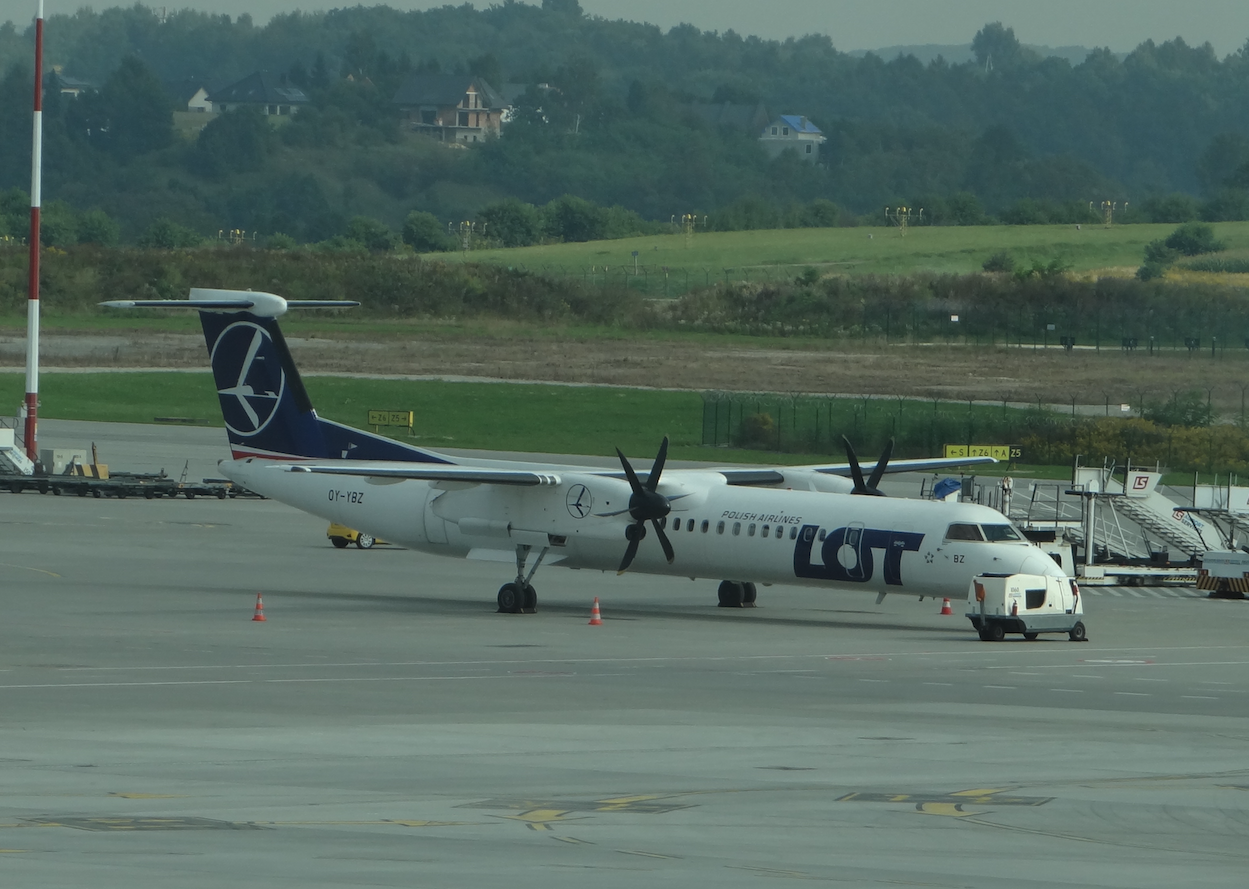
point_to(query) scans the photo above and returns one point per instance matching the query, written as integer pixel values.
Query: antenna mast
(30, 410)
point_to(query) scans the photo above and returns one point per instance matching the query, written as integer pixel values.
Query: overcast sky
(852, 24)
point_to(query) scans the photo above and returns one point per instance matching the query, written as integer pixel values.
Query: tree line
(1011, 137)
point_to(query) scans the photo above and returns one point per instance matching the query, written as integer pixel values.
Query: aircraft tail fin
(266, 408)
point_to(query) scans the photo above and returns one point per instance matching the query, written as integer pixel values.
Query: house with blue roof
(792, 131)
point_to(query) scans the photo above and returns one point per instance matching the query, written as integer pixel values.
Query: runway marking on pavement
(149, 795)
(383, 823)
(649, 854)
(573, 841)
(1002, 687)
(539, 814)
(1074, 691)
(28, 568)
(773, 872)
(127, 823)
(981, 796)
(949, 810)
(1200, 697)
(1135, 694)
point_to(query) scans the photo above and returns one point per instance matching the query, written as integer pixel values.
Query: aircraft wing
(468, 474)
(762, 476)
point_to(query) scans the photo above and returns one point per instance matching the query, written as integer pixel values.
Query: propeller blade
(855, 472)
(652, 480)
(629, 473)
(879, 471)
(664, 542)
(630, 552)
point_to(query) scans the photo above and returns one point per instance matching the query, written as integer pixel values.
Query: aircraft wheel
(365, 541)
(750, 593)
(511, 599)
(995, 633)
(530, 599)
(340, 542)
(1031, 637)
(730, 594)
(1078, 633)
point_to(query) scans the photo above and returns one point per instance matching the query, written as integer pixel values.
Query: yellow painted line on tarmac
(28, 568)
(986, 791)
(949, 810)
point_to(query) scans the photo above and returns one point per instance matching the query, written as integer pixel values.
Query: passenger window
(963, 532)
(720, 527)
(705, 525)
(807, 534)
(737, 528)
(823, 534)
(689, 526)
(793, 532)
(1034, 598)
(766, 531)
(750, 532)
(995, 533)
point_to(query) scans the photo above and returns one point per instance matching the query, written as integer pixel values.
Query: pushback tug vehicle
(1029, 604)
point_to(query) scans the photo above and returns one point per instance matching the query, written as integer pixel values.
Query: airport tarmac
(383, 727)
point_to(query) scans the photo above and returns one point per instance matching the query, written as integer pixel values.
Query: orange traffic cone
(945, 607)
(596, 619)
(260, 609)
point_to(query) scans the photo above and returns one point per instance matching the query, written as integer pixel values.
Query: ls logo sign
(846, 554)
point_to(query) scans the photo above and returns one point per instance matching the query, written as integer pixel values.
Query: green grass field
(490, 416)
(758, 254)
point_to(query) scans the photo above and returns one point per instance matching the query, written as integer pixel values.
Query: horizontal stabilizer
(258, 303)
(436, 473)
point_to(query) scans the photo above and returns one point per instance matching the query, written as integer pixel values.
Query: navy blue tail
(266, 408)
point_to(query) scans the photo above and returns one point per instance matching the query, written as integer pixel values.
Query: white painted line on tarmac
(1200, 697)
(1002, 687)
(938, 683)
(1135, 694)
(1074, 691)
(873, 680)
(1115, 593)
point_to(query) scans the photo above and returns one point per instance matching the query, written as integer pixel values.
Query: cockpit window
(963, 532)
(1000, 532)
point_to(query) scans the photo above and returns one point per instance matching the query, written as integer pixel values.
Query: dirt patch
(1052, 376)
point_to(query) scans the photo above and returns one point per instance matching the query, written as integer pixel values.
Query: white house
(793, 131)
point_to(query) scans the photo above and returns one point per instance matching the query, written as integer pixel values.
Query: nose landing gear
(519, 596)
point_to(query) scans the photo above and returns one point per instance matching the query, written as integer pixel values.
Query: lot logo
(1140, 482)
(847, 554)
(249, 375)
(579, 501)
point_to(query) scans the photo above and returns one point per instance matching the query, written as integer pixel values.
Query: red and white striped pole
(30, 426)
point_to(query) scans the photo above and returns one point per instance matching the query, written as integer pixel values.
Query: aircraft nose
(1040, 563)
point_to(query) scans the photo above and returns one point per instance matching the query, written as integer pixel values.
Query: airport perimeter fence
(1039, 435)
(814, 424)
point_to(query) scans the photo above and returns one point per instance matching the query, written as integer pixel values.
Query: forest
(1010, 137)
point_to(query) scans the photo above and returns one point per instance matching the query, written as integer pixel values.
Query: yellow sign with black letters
(1005, 453)
(391, 418)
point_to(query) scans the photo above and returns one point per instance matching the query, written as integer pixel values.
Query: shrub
(1192, 239)
(279, 241)
(512, 223)
(999, 262)
(374, 235)
(97, 227)
(164, 234)
(425, 234)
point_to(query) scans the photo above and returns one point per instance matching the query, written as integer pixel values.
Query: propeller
(870, 486)
(646, 505)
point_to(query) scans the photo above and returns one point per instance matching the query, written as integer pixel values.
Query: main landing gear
(737, 594)
(519, 596)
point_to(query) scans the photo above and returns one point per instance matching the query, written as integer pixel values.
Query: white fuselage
(767, 535)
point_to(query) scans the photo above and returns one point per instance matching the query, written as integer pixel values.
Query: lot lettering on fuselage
(846, 553)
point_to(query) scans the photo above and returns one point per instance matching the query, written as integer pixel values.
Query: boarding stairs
(1057, 507)
(13, 460)
(1138, 498)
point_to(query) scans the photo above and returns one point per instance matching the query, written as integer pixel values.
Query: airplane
(743, 526)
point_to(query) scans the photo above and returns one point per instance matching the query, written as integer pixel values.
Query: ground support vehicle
(342, 537)
(1029, 604)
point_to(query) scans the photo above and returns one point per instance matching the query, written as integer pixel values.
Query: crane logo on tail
(250, 379)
